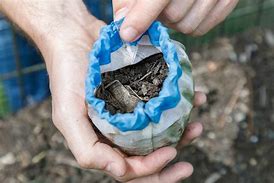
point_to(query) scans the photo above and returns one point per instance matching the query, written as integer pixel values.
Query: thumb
(103, 157)
(139, 16)
(82, 140)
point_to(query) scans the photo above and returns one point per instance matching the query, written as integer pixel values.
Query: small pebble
(8, 159)
(200, 144)
(244, 93)
(243, 58)
(212, 66)
(239, 117)
(269, 38)
(211, 135)
(213, 178)
(254, 139)
(253, 162)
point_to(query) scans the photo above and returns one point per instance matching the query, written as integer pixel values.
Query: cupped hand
(67, 66)
(194, 17)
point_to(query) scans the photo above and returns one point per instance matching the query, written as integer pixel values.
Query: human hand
(180, 170)
(194, 17)
(89, 148)
(69, 63)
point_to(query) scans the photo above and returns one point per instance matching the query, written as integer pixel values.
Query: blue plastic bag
(158, 114)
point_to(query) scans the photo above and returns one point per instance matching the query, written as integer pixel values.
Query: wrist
(51, 23)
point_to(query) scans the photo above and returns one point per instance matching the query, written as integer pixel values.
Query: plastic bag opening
(101, 58)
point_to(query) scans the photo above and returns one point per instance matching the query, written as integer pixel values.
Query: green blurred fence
(249, 13)
(4, 108)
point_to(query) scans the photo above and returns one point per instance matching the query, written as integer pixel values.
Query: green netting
(248, 14)
(4, 109)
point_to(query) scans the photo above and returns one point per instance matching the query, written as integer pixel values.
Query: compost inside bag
(151, 118)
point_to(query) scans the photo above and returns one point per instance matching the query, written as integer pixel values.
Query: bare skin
(195, 17)
(64, 32)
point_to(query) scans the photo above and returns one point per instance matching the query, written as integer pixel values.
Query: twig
(142, 78)
(133, 92)
(232, 101)
(250, 114)
(147, 74)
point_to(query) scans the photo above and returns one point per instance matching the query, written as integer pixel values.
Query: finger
(119, 4)
(199, 99)
(192, 131)
(195, 16)
(84, 144)
(121, 8)
(176, 10)
(217, 15)
(150, 164)
(175, 173)
(140, 17)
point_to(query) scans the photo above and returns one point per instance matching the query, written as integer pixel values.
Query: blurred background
(233, 65)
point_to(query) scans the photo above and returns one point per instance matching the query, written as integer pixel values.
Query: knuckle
(229, 3)
(165, 1)
(57, 115)
(198, 33)
(84, 161)
(172, 15)
(187, 28)
(216, 18)
(56, 118)
(124, 179)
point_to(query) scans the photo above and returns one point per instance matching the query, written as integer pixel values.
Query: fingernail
(167, 162)
(171, 158)
(113, 170)
(121, 13)
(129, 34)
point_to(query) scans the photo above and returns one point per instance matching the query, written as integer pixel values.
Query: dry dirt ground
(237, 146)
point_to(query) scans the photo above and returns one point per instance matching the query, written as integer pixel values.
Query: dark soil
(242, 151)
(124, 88)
